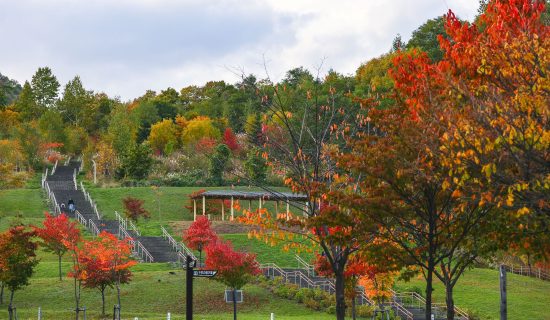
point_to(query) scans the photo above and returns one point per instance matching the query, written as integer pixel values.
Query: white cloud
(125, 47)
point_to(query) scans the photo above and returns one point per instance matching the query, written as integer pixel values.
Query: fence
(179, 247)
(538, 273)
(415, 300)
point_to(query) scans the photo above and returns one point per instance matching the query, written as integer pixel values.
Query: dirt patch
(220, 227)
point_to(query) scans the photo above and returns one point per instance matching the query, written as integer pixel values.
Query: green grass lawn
(478, 290)
(155, 290)
(21, 206)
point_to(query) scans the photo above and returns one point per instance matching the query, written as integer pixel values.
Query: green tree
(425, 38)
(253, 129)
(256, 166)
(75, 103)
(26, 104)
(52, 127)
(45, 87)
(137, 163)
(218, 163)
(122, 130)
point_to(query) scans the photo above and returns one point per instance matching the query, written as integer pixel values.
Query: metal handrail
(177, 246)
(145, 252)
(81, 218)
(68, 160)
(93, 227)
(308, 267)
(121, 220)
(74, 180)
(133, 226)
(54, 167)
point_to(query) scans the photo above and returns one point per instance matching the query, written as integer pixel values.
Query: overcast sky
(124, 47)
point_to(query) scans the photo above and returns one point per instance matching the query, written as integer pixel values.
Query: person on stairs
(72, 207)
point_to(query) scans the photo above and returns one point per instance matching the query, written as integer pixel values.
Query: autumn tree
(312, 118)
(133, 209)
(163, 137)
(199, 235)
(56, 232)
(230, 140)
(17, 260)
(105, 262)
(218, 164)
(496, 75)
(235, 269)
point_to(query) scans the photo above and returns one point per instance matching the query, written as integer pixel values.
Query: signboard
(238, 296)
(204, 273)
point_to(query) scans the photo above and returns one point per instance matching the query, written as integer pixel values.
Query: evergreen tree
(253, 128)
(218, 162)
(256, 166)
(137, 163)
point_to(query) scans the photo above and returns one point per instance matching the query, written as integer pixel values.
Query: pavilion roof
(251, 195)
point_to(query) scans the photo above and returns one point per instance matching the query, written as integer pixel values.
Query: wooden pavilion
(260, 196)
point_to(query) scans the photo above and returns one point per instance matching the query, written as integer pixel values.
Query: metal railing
(125, 222)
(415, 300)
(44, 177)
(93, 227)
(310, 269)
(138, 248)
(179, 247)
(54, 168)
(53, 200)
(74, 180)
(533, 272)
(81, 218)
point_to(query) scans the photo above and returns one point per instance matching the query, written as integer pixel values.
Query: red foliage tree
(55, 233)
(230, 140)
(105, 262)
(17, 259)
(235, 269)
(133, 209)
(199, 235)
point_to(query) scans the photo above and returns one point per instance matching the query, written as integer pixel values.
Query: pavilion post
(232, 210)
(287, 210)
(249, 205)
(223, 210)
(194, 209)
(203, 205)
(277, 207)
(260, 202)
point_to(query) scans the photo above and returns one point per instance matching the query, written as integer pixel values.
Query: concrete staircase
(61, 187)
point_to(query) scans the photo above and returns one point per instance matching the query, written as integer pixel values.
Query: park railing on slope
(415, 300)
(125, 222)
(179, 247)
(74, 180)
(44, 177)
(310, 269)
(51, 197)
(538, 273)
(137, 247)
(81, 218)
(54, 168)
(93, 227)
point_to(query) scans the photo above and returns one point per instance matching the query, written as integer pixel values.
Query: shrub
(303, 294)
(281, 291)
(312, 304)
(292, 290)
(331, 310)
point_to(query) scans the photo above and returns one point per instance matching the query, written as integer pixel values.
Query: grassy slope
(478, 290)
(155, 290)
(24, 205)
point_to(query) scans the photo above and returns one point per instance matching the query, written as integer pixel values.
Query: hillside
(9, 90)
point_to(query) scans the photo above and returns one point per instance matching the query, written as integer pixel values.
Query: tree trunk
(340, 296)
(10, 307)
(60, 278)
(76, 299)
(449, 301)
(2, 293)
(103, 301)
(429, 289)
(353, 315)
(118, 295)
(234, 304)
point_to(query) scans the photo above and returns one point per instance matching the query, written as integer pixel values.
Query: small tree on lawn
(17, 259)
(133, 209)
(55, 231)
(235, 269)
(199, 235)
(105, 262)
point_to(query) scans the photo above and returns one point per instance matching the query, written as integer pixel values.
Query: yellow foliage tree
(163, 136)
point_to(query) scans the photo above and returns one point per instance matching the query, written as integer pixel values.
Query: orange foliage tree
(17, 260)
(199, 235)
(56, 231)
(105, 262)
